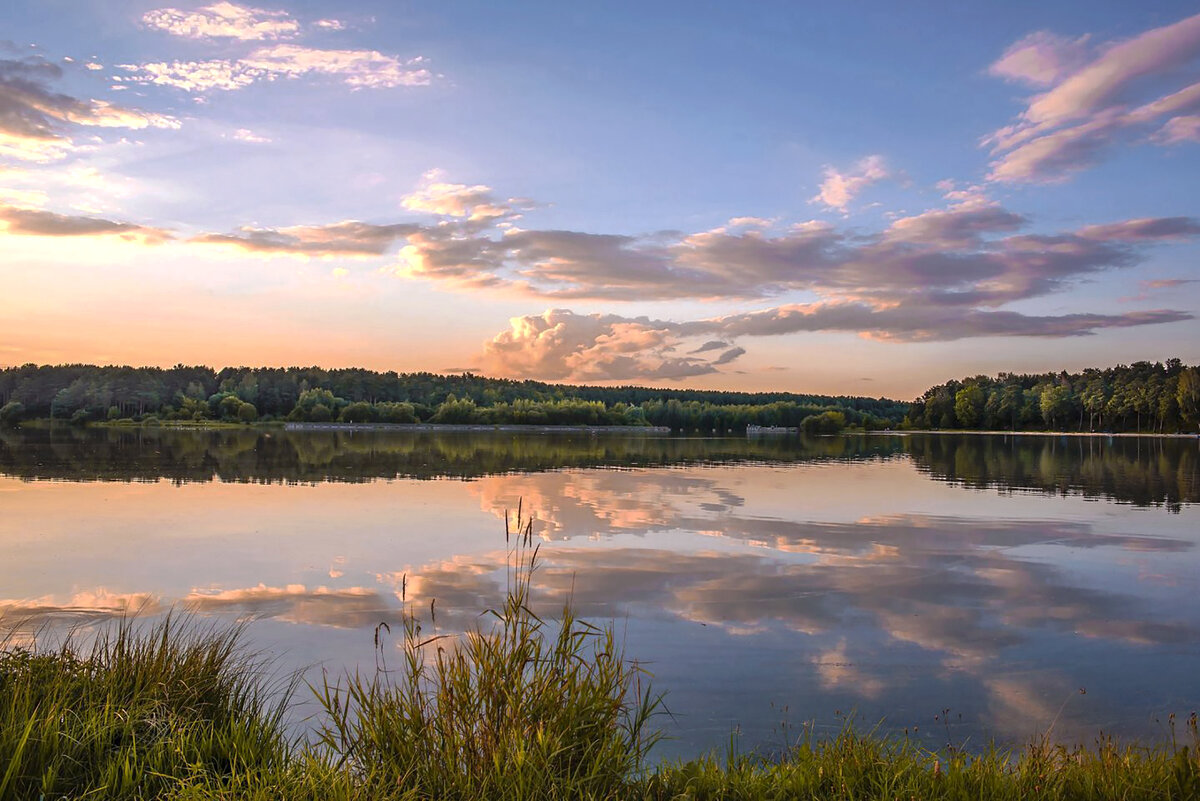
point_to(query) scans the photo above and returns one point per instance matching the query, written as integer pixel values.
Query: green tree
(823, 423)
(968, 406)
(1093, 398)
(358, 412)
(1187, 394)
(453, 410)
(11, 412)
(1055, 404)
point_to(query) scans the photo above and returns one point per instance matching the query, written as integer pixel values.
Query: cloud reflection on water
(890, 606)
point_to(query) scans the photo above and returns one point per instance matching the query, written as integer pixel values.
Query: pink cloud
(1091, 104)
(1180, 129)
(1042, 58)
(839, 188)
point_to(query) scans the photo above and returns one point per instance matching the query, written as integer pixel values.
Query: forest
(84, 394)
(1143, 397)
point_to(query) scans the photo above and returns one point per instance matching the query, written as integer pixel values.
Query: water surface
(1017, 582)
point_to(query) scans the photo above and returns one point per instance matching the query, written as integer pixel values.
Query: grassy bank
(518, 708)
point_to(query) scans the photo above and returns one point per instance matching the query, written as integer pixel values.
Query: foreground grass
(518, 709)
(135, 713)
(852, 766)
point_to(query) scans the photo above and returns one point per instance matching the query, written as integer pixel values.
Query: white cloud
(357, 68)
(560, 345)
(247, 135)
(223, 20)
(750, 222)
(360, 69)
(438, 196)
(193, 76)
(838, 188)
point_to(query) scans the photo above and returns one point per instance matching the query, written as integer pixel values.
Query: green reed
(135, 713)
(516, 708)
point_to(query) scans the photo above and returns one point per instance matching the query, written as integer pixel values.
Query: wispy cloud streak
(1094, 97)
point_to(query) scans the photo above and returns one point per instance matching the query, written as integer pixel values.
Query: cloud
(247, 135)
(729, 356)
(331, 24)
(562, 345)
(1149, 287)
(23, 198)
(971, 254)
(193, 76)
(875, 571)
(88, 605)
(352, 607)
(350, 238)
(1094, 99)
(712, 344)
(1185, 128)
(838, 188)
(1144, 230)
(34, 119)
(223, 20)
(35, 222)
(1169, 283)
(915, 323)
(1042, 58)
(438, 196)
(358, 69)
(944, 274)
(750, 222)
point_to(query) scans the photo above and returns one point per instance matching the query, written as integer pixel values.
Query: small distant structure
(758, 431)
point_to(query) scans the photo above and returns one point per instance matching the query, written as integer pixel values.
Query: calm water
(761, 580)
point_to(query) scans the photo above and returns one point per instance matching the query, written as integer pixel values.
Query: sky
(863, 199)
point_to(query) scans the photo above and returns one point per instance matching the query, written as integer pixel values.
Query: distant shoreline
(477, 428)
(1104, 434)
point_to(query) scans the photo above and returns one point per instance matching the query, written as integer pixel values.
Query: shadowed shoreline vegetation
(1141, 471)
(1138, 398)
(87, 393)
(1142, 398)
(518, 707)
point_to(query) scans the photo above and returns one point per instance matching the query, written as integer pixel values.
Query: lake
(962, 588)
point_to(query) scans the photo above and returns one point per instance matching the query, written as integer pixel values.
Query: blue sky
(861, 199)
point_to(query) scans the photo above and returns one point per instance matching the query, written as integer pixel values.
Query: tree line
(1142, 397)
(88, 393)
